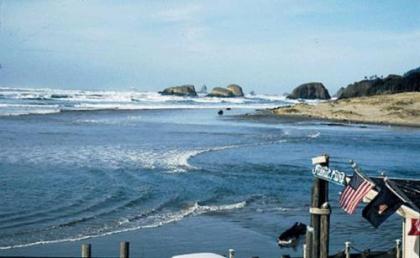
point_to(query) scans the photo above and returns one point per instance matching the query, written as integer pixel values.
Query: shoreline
(401, 109)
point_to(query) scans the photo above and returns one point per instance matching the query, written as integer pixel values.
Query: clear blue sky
(266, 46)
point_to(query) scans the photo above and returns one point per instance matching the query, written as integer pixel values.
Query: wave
(175, 160)
(314, 135)
(78, 100)
(179, 161)
(160, 220)
(113, 157)
(26, 109)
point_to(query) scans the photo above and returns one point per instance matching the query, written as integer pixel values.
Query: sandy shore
(396, 109)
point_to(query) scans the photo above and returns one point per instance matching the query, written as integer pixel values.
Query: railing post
(325, 231)
(398, 248)
(86, 251)
(347, 249)
(231, 253)
(124, 249)
(308, 242)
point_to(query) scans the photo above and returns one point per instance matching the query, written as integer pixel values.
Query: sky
(265, 46)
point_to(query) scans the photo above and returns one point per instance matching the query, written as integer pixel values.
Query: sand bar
(394, 109)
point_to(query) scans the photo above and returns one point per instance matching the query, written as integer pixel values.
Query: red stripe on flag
(364, 189)
(350, 198)
(343, 195)
(415, 227)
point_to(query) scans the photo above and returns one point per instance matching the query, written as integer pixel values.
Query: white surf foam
(314, 135)
(160, 220)
(26, 109)
(176, 160)
(79, 100)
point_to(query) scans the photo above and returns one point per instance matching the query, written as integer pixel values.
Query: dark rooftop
(410, 187)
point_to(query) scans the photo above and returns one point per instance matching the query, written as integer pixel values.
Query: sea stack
(312, 90)
(221, 93)
(232, 90)
(183, 90)
(236, 90)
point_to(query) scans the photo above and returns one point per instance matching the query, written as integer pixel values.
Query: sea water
(94, 165)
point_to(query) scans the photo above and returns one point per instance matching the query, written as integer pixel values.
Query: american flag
(354, 192)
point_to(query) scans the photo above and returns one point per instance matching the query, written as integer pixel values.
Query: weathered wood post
(231, 253)
(319, 197)
(398, 248)
(124, 249)
(86, 251)
(347, 249)
(324, 230)
(307, 250)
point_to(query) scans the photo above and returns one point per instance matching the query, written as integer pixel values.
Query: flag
(354, 192)
(382, 206)
(415, 228)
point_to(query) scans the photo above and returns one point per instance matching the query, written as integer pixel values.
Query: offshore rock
(312, 90)
(184, 90)
(221, 93)
(236, 90)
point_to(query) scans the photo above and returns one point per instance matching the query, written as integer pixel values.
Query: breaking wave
(158, 220)
(46, 101)
(314, 135)
(113, 157)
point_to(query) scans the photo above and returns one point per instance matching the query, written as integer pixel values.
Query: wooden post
(231, 253)
(398, 248)
(124, 249)
(319, 196)
(315, 218)
(325, 231)
(308, 242)
(86, 251)
(347, 249)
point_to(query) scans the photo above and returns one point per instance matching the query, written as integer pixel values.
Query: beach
(392, 109)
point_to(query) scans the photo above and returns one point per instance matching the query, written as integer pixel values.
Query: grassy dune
(396, 109)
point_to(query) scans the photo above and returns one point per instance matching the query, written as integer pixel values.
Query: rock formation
(221, 92)
(339, 92)
(203, 89)
(184, 90)
(232, 90)
(236, 90)
(312, 90)
(391, 84)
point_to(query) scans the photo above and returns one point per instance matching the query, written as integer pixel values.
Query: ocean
(173, 175)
